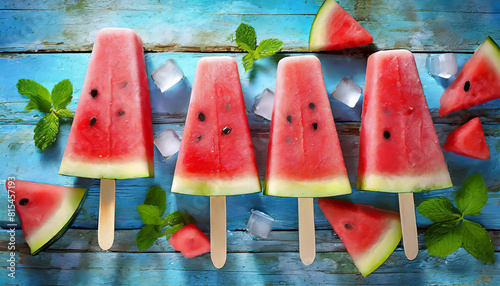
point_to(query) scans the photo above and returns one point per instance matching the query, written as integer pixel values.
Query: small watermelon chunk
(468, 140)
(45, 211)
(369, 234)
(334, 29)
(477, 82)
(190, 241)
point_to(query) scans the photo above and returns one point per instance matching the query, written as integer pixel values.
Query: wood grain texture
(205, 26)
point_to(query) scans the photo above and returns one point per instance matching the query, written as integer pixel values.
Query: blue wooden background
(51, 40)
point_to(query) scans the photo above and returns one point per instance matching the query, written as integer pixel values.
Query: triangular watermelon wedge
(468, 140)
(334, 29)
(477, 82)
(45, 211)
(369, 234)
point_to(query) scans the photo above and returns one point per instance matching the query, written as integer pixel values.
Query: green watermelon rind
(304, 189)
(107, 170)
(214, 187)
(405, 184)
(65, 227)
(492, 51)
(318, 29)
(379, 254)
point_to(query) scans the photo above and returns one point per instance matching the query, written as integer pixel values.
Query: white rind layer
(406, 184)
(308, 189)
(218, 187)
(107, 170)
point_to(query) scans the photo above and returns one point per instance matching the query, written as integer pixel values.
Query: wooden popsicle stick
(106, 227)
(307, 235)
(408, 225)
(218, 243)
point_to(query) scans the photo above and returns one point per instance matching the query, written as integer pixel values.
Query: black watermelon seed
(23, 201)
(226, 130)
(93, 121)
(93, 93)
(312, 106)
(348, 226)
(199, 137)
(315, 126)
(121, 112)
(125, 85)
(228, 106)
(387, 135)
(467, 86)
(289, 118)
(201, 117)
(387, 111)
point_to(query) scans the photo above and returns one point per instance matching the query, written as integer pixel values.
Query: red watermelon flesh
(45, 211)
(112, 133)
(369, 234)
(399, 150)
(216, 155)
(304, 157)
(190, 241)
(334, 29)
(468, 140)
(477, 82)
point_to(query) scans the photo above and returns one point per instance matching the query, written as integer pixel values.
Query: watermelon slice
(477, 82)
(369, 234)
(45, 211)
(468, 140)
(334, 29)
(112, 133)
(304, 157)
(190, 241)
(398, 150)
(216, 156)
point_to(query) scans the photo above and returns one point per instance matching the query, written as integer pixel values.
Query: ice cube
(444, 65)
(263, 105)
(347, 92)
(168, 142)
(260, 224)
(167, 75)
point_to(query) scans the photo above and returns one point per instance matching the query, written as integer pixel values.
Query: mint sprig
(54, 104)
(246, 39)
(155, 227)
(451, 230)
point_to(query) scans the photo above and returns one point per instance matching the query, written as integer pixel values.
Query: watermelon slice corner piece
(334, 29)
(369, 234)
(477, 82)
(190, 241)
(46, 211)
(468, 140)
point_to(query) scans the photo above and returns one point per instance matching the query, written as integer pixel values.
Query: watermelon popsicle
(399, 150)
(216, 156)
(304, 156)
(112, 132)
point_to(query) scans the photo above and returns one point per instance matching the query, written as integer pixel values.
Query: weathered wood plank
(72, 25)
(243, 269)
(48, 69)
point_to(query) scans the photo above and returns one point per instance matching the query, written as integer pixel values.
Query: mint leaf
(248, 61)
(477, 241)
(472, 196)
(178, 217)
(64, 113)
(46, 131)
(439, 209)
(61, 94)
(146, 237)
(39, 96)
(173, 229)
(267, 48)
(443, 238)
(156, 196)
(149, 214)
(246, 38)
